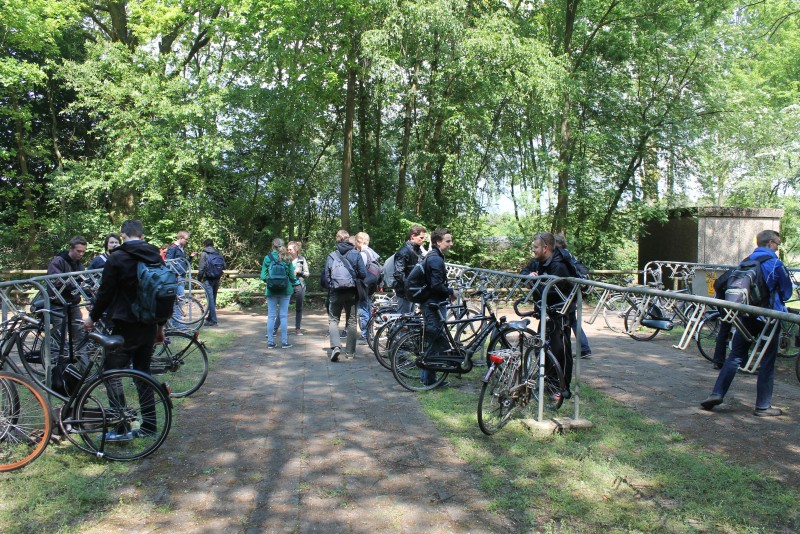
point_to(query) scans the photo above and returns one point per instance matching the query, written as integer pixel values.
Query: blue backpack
(156, 294)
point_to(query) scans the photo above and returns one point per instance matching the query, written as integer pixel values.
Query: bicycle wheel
(379, 345)
(614, 313)
(182, 362)
(789, 343)
(508, 338)
(189, 313)
(554, 382)
(706, 336)
(406, 351)
(376, 320)
(25, 422)
(194, 288)
(30, 353)
(498, 398)
(642, 332)
(122, 415)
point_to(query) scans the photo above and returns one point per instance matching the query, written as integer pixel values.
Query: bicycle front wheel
(122, 415)
(182, 362)
(25, 422)
(789, 343)
(498, 399)
(614, 312)
(189, 313)
(404, 354)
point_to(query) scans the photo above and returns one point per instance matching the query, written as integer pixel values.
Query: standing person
(436, 275)
(209, 273)
(111, 242)
(779, 286)
(586, 350)
(404, 260)
(300, 268)
(551, 261)
(343, 268)
(367, 256)
(116, 295)
(68, 261)
(277, 272)
(177, 251)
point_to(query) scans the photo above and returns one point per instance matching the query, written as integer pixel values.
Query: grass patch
(66, 488)
(626, 474)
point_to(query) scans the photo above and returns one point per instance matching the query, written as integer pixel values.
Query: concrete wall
(726, 235)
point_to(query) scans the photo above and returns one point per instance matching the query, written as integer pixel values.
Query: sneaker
(271, 345)
(113, 436)
(767, 412)
(211, 323)
(298, 332)
(286, 345)
(349, 355)
(711, 401)
(335, 351)
(586, 355)
(343, 334)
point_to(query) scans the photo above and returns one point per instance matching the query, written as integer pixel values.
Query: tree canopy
(244, 120)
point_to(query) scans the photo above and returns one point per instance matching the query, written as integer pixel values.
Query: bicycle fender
(489, 373)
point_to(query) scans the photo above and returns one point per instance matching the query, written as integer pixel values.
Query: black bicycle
(408, 358)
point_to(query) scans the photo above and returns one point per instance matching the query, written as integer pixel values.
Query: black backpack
(746, 284)
(215, 264)
(417, 288)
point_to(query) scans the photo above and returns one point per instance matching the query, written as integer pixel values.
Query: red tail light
(496, 359)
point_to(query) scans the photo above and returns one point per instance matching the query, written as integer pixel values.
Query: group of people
(296, 269)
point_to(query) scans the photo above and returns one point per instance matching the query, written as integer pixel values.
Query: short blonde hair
(362, 238)
(342, 236)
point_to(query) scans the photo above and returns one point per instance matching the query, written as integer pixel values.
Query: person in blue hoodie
(779, 284)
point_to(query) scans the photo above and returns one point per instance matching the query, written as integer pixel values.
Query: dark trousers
(721, 348)
(435, 340)
(212, 288)
(138, 350)
(558, 335)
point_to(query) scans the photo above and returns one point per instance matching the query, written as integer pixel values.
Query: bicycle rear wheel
(181, 361)
(706, 336)
(25, 422)
(642, 332)
(498, 399)
(189, 313)
(122, 415)
(508, 338)
(405, 352)
(554, 382)
(789, 343)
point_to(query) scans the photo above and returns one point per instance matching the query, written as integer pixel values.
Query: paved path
(286, 441)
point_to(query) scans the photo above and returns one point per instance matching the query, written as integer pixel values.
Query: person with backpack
(209, 273)
(277, 273)
(182, 264)
(122, 296)
(343, 269)
(769, 287)
(404, 260)
(373, 266)
(436, 277)
(579, 270)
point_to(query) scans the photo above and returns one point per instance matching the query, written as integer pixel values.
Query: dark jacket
(436, 274)
(347, 250)
(62, 264)
(532, 267)
(556, 265)
(174, 252)
(404, 260)
(119, 284)
(204, 257)
(98, 262)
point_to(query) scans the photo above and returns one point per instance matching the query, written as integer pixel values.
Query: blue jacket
(775, 276)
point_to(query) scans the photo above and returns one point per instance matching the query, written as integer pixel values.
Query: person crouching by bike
(551, 261)
(436, 275)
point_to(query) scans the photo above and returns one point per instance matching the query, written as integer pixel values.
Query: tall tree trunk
(24, 175)
(366, 200)
(376, 157)
(566, 144)
(347, 157)
(409, 107)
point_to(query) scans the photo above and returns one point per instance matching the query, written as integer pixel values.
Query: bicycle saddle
(107, 342)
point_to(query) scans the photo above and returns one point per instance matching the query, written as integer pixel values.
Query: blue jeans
(279, 304)
(740, 348)
(212, 287)
(404, 306)
(298, 296)
(363, 316)
(435, 340)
